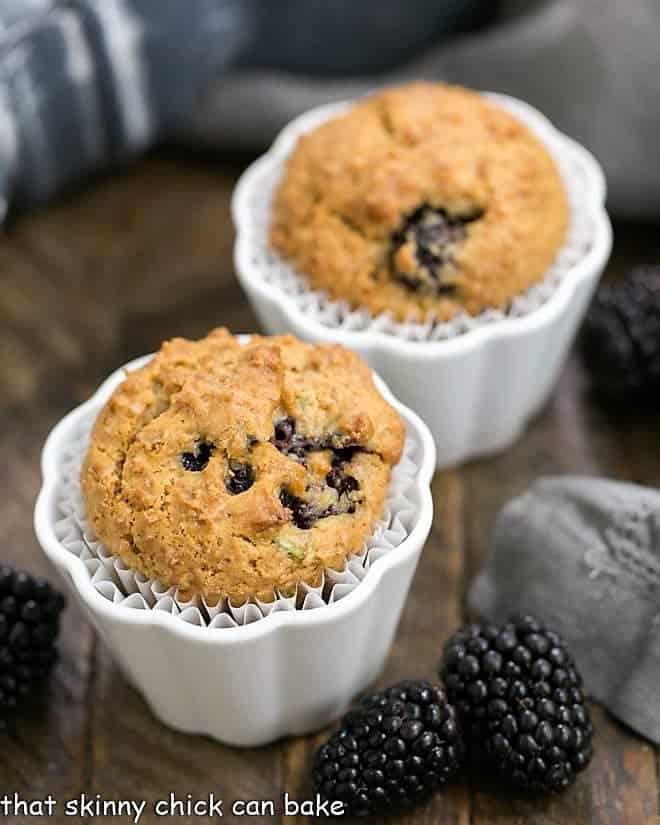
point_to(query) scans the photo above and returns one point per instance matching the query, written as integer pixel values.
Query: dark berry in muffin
(341, 482)
(422, 249)
(197, 460)
(240, 478)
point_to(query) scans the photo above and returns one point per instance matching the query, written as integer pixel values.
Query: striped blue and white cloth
(86, 83)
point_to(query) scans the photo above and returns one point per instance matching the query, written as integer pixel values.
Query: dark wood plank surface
(104, 276)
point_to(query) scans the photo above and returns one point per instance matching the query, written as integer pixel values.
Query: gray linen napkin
(584, 555)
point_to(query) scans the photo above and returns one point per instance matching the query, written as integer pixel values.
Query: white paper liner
(127, 588)
(318, 305)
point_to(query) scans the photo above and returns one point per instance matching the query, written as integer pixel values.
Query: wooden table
(103, 277)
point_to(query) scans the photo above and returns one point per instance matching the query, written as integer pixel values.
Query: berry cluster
(518, 691)
(512, 697)
(620, 339)
(29, 624)
(395, 748)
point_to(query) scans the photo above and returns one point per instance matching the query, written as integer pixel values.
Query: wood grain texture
(104, 276)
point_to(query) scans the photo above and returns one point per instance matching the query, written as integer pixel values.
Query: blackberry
(240, 478)
(341, 482)
(293, 444)
(29, 624)
(432, 234)
(620, 338)
(392, 750)
(303, 514)
(196, 461)
(297, 446)
(519, 697)
(284, 430)
(344, 455)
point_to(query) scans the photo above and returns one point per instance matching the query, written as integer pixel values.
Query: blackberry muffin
(425, 201)
(239, 470)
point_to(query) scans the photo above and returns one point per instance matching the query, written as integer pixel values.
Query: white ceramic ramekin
(478, 389)
(288, 673)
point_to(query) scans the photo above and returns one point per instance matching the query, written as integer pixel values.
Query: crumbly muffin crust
(236, 470)
(424, 201)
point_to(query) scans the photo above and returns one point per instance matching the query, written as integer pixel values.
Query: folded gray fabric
(584, 555)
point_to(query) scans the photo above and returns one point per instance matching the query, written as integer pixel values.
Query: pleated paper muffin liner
(128, 588)
(253, 215)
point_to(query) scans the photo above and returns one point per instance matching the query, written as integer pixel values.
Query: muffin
(423, 201)
(237, 471)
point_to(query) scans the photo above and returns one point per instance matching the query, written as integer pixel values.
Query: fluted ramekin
(288, 673)
(478, 387)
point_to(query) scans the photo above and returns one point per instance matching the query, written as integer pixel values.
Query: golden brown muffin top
(236, 470)
(424, 200)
